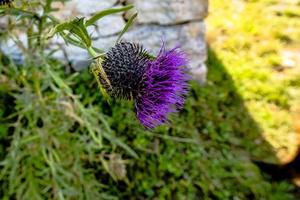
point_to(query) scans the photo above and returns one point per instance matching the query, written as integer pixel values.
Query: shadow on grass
(219, 104)
(258, 149)
(245, 129)
(206, 152)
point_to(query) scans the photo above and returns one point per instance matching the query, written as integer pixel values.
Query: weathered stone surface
(189, 36)
(76, 8)
(176, 22)
(65, 11)
(76, 56)
(170, 11)
(87, 7)
(199, 73)
(110, 25)
(104, 43)
(93, 31)
(107, 26)
(10, 48)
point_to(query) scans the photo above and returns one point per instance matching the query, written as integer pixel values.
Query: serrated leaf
(127, 26)
(104, 13)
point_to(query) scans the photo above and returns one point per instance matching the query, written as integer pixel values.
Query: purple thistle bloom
(163, 87)
(158, 86)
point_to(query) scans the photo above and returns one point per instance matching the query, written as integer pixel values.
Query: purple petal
(164, 87)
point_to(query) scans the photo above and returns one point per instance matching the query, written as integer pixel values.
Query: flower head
(163, 88)
(158, 86)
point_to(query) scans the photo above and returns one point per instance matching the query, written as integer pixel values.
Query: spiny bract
(124, 65)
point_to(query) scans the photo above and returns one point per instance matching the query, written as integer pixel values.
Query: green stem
(92, 52)
(29, 37)
(42, 22)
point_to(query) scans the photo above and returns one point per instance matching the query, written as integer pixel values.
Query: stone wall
(177, 22)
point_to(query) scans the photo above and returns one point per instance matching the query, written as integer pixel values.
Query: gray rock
(88, 7)
(170, 11)
(93, 31)
(104, 43)
(110, 25)
(176, 22)
(189, 36)
(79, 8)
(11, 49)
(181, 22)
(107, 26)
(76, 56)
(200, 73)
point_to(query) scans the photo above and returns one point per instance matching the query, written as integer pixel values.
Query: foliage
(60, 139)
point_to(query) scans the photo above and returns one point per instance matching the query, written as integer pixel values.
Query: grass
(61, 140)
(252, 40)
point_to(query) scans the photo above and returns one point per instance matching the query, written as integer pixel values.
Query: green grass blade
(127, 26)
(72, 41)
(104, 13)
(120, 144)
(76, 27)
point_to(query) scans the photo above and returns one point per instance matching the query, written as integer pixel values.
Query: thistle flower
(163, 88)
(158, 85)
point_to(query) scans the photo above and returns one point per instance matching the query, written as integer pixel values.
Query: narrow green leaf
(79, 28)
(120, 144)
(76, 27)
(71, 40)
(59, 81)
(59, 28)
(127, 26)
(104, 13)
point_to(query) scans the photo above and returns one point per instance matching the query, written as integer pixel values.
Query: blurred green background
(61, 140)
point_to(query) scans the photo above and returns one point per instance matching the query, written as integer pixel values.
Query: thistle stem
(92, 52)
